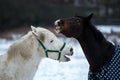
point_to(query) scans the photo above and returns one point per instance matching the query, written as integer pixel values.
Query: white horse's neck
(19, 65)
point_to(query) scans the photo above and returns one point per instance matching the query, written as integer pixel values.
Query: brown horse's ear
(89, 17)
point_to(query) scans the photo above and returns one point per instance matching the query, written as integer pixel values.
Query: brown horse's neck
(96, 48)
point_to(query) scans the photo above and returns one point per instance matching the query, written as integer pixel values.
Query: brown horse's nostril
(59, 23)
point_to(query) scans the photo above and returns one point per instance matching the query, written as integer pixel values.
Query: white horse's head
(50, 45)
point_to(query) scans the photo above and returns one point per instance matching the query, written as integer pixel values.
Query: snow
(76, 69)
(108, 29)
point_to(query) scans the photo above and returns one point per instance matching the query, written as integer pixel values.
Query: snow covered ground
(76, 69)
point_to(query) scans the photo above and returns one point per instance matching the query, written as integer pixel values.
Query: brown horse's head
(72, 27)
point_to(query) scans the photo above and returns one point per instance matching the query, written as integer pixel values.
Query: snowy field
(76, 69)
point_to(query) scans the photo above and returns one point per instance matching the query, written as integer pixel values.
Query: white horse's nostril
(71, 50)
(56, 22)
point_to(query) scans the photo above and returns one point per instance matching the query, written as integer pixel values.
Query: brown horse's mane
(98, 40)
(97, 34)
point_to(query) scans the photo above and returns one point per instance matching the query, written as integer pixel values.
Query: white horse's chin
(67, 57)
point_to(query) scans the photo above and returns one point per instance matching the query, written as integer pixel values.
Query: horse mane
(97, 34)
(20, 48)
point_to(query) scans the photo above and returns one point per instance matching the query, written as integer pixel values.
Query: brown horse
(96, 48)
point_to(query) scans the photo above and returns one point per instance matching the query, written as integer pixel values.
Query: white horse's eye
(51, 41)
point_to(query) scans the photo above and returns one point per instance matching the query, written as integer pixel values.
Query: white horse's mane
(17, 50)
(13, 63)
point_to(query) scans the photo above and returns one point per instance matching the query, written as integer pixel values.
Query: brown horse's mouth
(58, 29)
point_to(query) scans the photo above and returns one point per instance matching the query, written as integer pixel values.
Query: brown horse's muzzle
(59, 25)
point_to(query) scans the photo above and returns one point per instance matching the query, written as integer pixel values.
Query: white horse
(23, 57)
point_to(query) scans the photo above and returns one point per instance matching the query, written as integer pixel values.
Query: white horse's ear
(42, 36)
(33, 28)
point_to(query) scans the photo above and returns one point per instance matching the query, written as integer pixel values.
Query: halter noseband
(47, 50)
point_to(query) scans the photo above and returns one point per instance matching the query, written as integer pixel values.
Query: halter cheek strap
(47, 50)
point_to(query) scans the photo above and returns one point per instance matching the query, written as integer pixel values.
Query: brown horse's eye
(77, 21)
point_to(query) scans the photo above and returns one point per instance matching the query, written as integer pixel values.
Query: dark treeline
(17, 13)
